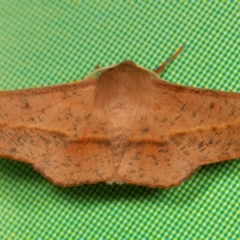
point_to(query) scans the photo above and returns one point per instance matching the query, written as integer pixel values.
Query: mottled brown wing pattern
(156, 164)
(151, 159)
(62, 108)
(204, 125)
(188, 128)
(79, 162)
(55, 129)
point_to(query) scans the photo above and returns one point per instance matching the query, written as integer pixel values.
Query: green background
(49, 42)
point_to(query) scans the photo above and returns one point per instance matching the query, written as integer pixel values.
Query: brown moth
(127, 125)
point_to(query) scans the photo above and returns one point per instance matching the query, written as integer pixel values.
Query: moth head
(125, 80)
(126, 66)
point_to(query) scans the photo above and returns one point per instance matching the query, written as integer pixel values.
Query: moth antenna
(168, 61)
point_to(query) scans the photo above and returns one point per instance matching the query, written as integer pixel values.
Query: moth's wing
(55, 129)
(203, 124)
(186, 128)
(151, 159)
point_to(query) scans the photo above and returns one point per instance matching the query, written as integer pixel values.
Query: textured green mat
(48, 42)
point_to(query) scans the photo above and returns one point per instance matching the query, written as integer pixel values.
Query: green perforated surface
(48, 42)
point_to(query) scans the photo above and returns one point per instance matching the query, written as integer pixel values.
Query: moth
(126, 125)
